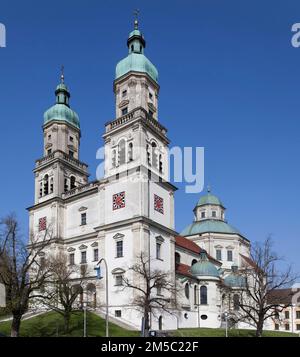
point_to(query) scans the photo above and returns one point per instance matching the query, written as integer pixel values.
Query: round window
(186, 316)
(203, 317)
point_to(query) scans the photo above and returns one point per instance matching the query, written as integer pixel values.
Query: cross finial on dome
(62, 76)
(136, 13)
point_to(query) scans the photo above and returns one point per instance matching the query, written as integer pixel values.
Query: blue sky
(229, 82)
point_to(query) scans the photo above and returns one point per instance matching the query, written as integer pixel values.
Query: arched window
(66, 185)
(132, 48)
(160, 164)
(154, 155)
(114, 158)
(72, 182)
(203, 295)
(194, 261)
(148, 156)
(130, 152)
(236, 302)
(187, 290)
(46, 185)
(177, 258)
(51, 185)
(195, 295)
(122, 153)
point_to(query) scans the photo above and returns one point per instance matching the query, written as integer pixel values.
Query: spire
(136, 22)
(62, 93)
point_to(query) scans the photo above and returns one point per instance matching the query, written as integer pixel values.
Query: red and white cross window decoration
(119, 200)
(42, 224)
(159, 204)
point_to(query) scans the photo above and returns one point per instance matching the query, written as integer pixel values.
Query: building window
(51, 185)
(119, 248)
(194, 261)
(158, 250)
(130, 152)
(49, 137)
(195, 295)
(66, 185)
(203, 295)
(297, 314)
(203, 214)
(72, 182)
(177, 258)
(236, 302)
(124, 111)
(118, 313)
(96, 255)
(287, 314)
(72, 259)
(46, 185)
(122, 152)
(218, 254)
(154, 155)
(49, 151)
(214, 214)
(119, 280)
(151, 113)
(187, 290)
(297, 327)
(148, 156)
(71, 153)
(83, 219)
(276, 327)
(229, 255)
(71, 139)
(42, 224)
(287, 327)
(160, 164)
(150, 95)
(124, 93)
(83, 257)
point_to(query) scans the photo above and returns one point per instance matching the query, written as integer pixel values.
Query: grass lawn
(51, 325)
(214, 332)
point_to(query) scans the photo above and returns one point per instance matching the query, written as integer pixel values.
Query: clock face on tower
(159, 204)
(119, 200)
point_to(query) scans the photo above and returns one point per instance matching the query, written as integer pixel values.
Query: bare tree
(263, 278)
(155, 290)
(22, 271)
(61, 292)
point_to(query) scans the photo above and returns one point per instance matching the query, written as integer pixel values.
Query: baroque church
(131, 209)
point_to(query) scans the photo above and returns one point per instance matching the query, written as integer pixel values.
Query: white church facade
(131, 209)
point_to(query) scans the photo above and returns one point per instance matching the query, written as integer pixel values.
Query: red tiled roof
(281, 296)
(249, 261)
(183, 269)
(193, 247)
(187, 244)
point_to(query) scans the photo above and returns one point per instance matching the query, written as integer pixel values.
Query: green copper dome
(209, 199)
(209, 226)
(61, 111)
(204, 267)
(136, 61)
(234, 280)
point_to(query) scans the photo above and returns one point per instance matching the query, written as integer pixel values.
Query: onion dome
(204, 267)
(61, 111)
(234, 279)
(136, 61)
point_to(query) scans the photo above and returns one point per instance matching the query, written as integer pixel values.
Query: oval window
(203, 317)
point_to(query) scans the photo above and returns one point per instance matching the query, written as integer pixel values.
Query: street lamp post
(84, 318)
(226, 323)
(106, 290)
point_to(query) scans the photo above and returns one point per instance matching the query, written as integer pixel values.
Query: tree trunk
(67, 321)
(146, 320)
(15, 326)
(259, 327)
